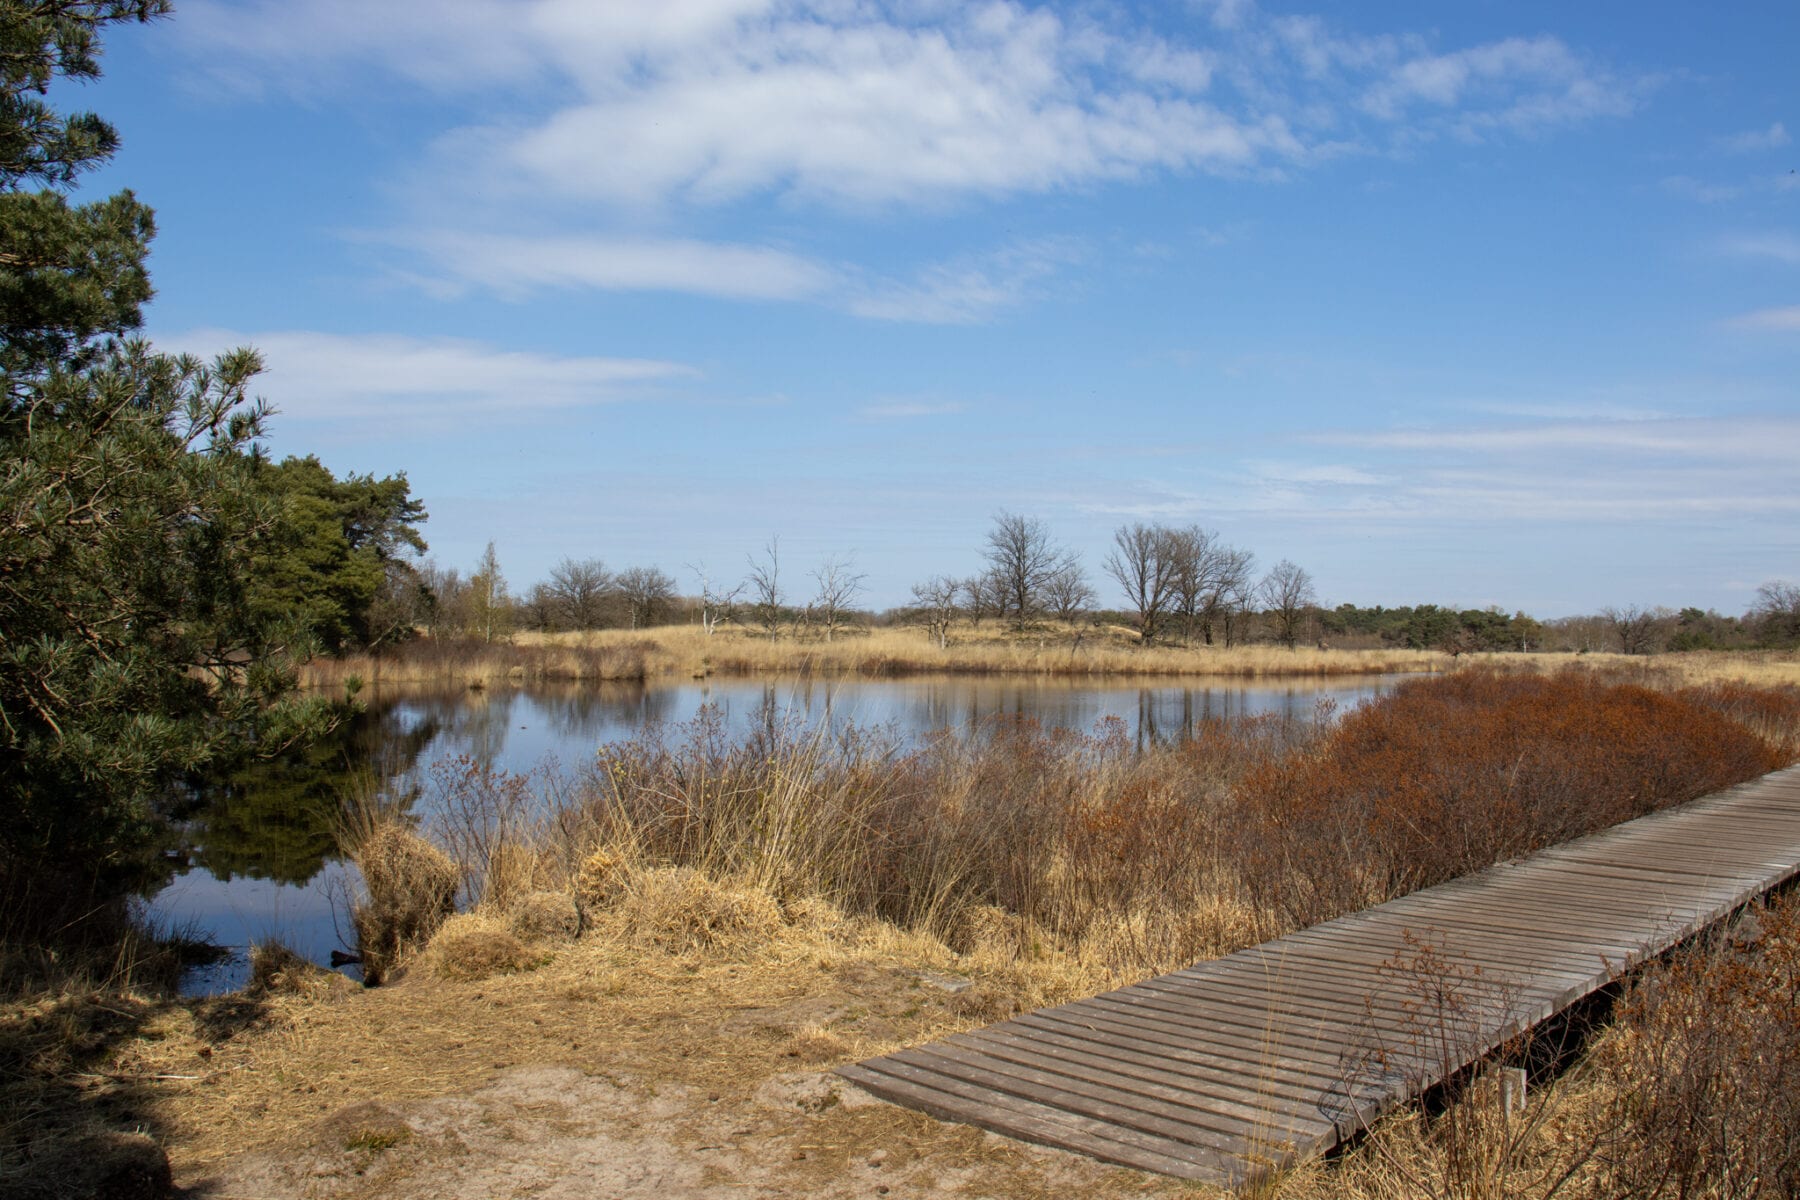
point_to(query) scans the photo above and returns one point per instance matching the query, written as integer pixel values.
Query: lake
(257, 858)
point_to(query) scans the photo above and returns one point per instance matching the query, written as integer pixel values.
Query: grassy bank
(697, 927)
(1065, 652)
(685, 651)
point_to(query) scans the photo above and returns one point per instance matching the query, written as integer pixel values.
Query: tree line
(1181, 584)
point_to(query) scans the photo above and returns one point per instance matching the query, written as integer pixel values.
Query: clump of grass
(410, 889)
(474, 946)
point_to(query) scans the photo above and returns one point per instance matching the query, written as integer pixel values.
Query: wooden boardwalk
(1270, 1056)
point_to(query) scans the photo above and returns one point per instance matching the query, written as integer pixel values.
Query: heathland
(637, 982)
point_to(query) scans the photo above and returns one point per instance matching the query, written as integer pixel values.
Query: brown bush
(1449, 775)
(410, 888)
(1065, 831)
(470, 946)
(545, 916)
(1704, 1066)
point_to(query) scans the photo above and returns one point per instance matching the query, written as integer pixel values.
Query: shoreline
(684, 652)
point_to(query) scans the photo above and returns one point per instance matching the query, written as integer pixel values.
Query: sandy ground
(609, 1071)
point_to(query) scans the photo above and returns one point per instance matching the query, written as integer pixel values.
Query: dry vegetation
(683, 651)
(699, 926)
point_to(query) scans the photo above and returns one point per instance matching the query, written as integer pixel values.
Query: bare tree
(446, 607)
(1143, 561)
(1776, 613)
(840, 583)
(936, 605)
(1067, 593)
(1232, 599)
(716, 602)
(764, 585)
(983, 594)
(1637, 630)
(1287, 594)
(580, 590)
(541, 608)
(648, 594)
(1197, 558)
(1023, 559)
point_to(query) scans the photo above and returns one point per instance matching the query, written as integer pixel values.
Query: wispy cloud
(1744, 438)
(908, 410)
(1756, 140)
(970, 289)
(515, 264)
(618, 129)
(1771, 320)
(326, 376)
(1782, 247)
(1699, 189)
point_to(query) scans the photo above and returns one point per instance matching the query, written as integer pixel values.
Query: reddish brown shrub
(1703, 1066)
(1448, 775)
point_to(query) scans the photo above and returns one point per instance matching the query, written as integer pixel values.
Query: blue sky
(1470, 304)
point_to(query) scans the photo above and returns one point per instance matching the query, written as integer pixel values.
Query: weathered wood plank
(1225, 1070)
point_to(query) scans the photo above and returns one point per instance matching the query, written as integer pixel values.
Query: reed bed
(686, 651)
(1083, 846)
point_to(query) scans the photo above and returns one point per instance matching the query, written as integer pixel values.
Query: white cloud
(1742, 439)
(1782, 247)
(1773, 320)
(1616, 471)
(905, 410)
(1697, 189)
(514, 264)
(452, 46)
(1321, 474)
(609, 128)
(1772, 138)
(971, 289)
(325, 376)
(711, 101)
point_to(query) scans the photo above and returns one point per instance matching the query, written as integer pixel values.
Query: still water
(258, 859)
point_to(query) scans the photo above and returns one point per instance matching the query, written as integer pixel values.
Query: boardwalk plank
(1228, 1069)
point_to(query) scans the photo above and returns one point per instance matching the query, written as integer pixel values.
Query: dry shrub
(601, 880)
(277, 970)
(1703, 1070)
(512, 873)
(1687, 1095)
(1450, 775)
(1062, 831)
(678, 909)
(473, 946)
(545, 916)
(410, 890)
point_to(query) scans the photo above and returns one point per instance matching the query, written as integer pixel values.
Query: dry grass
(1692, 668)
(1687, 1093)
(686, 651)
(706, 918)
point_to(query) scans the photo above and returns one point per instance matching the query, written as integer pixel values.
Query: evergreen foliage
(134, 513)
(335, 559)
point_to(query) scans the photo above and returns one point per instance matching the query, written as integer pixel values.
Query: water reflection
(257, 855)
(518, 729)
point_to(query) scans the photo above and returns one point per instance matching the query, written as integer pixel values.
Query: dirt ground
(609, 1070)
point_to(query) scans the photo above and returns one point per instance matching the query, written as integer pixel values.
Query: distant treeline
(1179, 585)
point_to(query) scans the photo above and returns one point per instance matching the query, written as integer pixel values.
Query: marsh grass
(1082, 845)
(686, 651)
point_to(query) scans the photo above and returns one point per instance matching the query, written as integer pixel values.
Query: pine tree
(131, 510)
